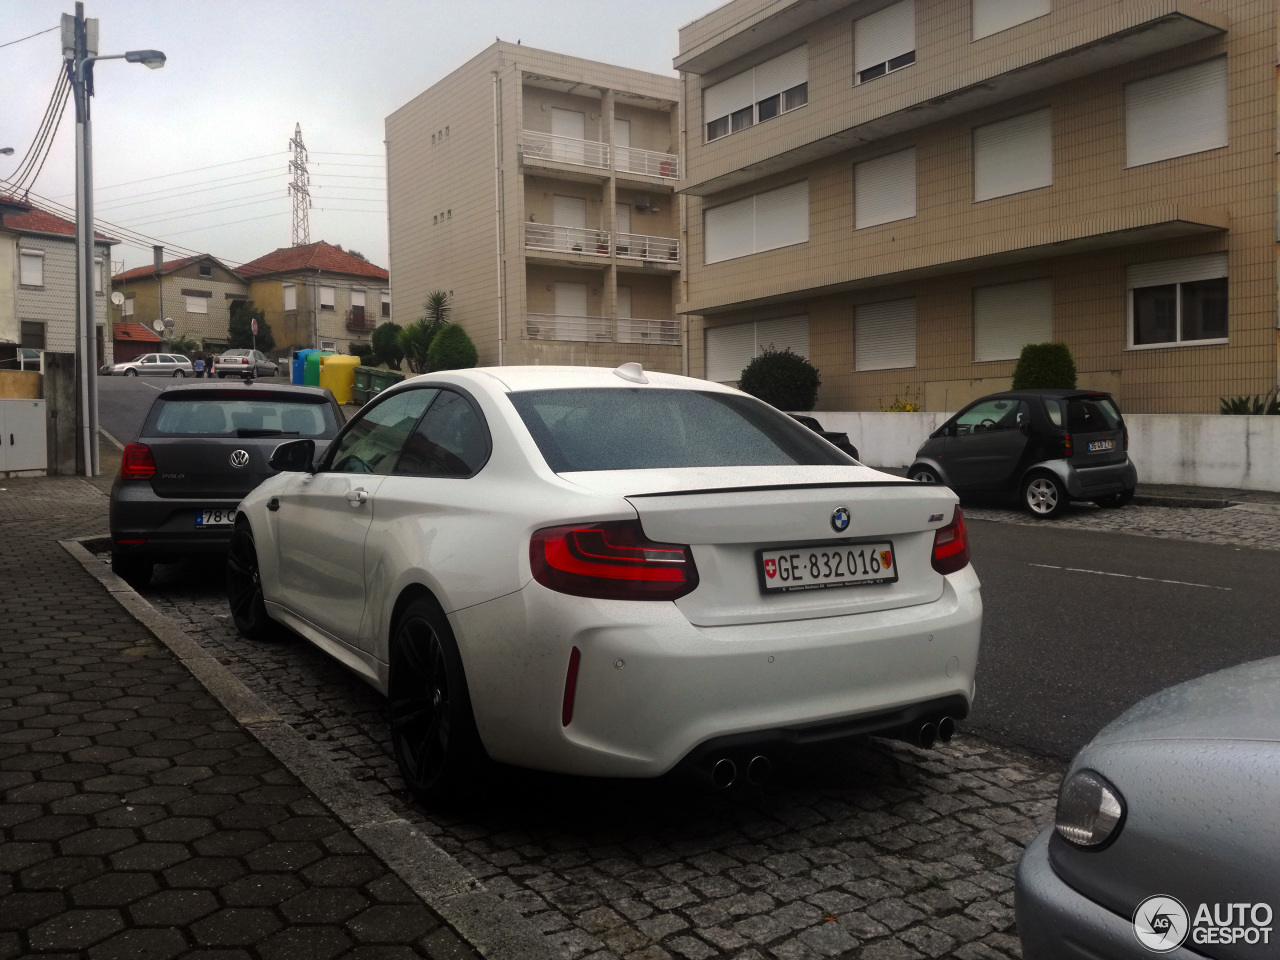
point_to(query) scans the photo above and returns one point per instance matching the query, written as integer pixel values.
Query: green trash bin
(311, 377)
(383, 379)
(361, 391)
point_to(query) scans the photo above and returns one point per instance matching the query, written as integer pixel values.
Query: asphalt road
(1080, 625)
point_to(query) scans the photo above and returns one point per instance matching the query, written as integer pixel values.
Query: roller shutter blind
(569, 211)
(885, 189)
(1187, 270)
(1176, 113)
(31, 267)
(884, 35)
(993, 16)
(728, 96)
(730, 348)
(326, 298)
(624, 303)
(730, 230)
(571, 299)
(1009, 316)
(884, 335)
(781, 73)
(290, 294)
(776, 218)
(1013, 155)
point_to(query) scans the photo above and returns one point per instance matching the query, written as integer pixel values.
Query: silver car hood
(1239, 703)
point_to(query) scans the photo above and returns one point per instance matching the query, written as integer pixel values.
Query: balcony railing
(359, 319)
(634, 246)
(550, 326)
(548, 146)
(558, 239)
(649, 163)
(666, 332)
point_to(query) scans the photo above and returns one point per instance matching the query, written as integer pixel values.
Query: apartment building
(538, 189)
(196, 292)
(910, 191)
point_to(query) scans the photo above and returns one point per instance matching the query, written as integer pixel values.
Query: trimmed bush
(414, 342)
(1045, 366)
(782, 378)
(364, 351)
(451, 349)
(386, 346)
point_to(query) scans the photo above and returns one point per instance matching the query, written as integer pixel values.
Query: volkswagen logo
(240, 458)
(840, 519)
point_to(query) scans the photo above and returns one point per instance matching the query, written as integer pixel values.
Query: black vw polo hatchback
(202, 448)
(1047, 447)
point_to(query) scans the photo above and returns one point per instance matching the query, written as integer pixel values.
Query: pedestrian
(198, 364)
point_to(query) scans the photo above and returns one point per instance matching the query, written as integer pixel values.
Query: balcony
(662, 332)
(646, 163)
(634, 246)
(547, 326)
(360, 321)
(553, 238)
(549, 147)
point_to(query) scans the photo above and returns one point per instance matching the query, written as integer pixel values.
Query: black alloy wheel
(135, 571)
(433, 730)
(244, 587)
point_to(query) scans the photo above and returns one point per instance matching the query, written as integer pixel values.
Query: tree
(362, 350)
(452, 349)
(386, 346)
(183, 344)
(240, 330)
(782, 378)
(414, 342)
(438, 307)
(1045, 366)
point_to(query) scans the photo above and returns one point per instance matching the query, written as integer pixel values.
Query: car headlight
(1090, 810)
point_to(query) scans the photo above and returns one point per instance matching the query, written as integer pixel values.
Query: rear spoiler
(774, 486)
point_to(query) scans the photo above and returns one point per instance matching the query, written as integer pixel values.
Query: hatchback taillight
(136, 463)
(951, 545)
(1126, 438)
(612, 561)
(1068, 448)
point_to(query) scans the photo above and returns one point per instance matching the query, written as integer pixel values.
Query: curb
(1159, 500)
(493, 927)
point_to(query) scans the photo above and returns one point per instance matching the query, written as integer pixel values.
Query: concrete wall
(1208, 451)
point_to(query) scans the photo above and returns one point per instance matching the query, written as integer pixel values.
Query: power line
(33, 158)
(66, 94)
(334, 153)
(178, 173)
(216, 208)
(27, 37)
(365, 166)
(229, 223)
(172, 193)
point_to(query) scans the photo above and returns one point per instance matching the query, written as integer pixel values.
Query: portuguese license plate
(215, 518)
(790, 569)
(1097, 446)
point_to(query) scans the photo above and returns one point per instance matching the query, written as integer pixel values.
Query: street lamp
(80, 48)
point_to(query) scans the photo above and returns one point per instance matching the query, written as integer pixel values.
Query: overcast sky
(241, 74)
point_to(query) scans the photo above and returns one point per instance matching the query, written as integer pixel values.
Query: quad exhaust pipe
(930, 732)
(758, 770)
(725, 772)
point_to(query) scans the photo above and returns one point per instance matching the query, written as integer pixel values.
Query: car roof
(1057, 393)
(516, 379)
(209, 386)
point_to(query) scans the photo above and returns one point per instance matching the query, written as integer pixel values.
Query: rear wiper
(264, 432)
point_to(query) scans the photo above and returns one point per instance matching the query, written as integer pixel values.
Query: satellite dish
(157, 326)
(117, 298)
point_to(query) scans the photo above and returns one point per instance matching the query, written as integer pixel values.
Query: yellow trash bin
(338, 374)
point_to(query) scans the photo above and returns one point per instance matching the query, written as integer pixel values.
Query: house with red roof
(318, 295)
(197, 293)
(38, 281)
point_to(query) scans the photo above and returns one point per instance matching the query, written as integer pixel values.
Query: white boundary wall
(1200, 450)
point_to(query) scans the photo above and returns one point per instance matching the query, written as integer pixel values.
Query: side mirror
(296, 456)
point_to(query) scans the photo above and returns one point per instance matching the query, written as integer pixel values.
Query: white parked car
(611, 573)
(243, 363)
(153, 365)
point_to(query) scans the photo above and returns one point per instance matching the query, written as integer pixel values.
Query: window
(197, 304)
(1176, 113)
(1009, 316)
(732, 347)
(1178, 301)
(328, 345)
(1013, 156)
(991, 415)
(386, 303)
(33, 335)
(766, 221)
(206, 269)
(290, 296)
(884, 41)
(373, 442)
(451, 440)
(97, 275)
(993, 16)
(884, 335)
(326, 298)
(357, 303)
(885, 189)
(126, 308)
(199, 415)
(758, 94)
(32, 266)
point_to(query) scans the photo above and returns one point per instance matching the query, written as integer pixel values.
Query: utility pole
(300, 189)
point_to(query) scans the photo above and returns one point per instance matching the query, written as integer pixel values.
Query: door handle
(357, 497)
(273, 504)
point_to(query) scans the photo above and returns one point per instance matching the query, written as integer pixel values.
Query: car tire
(135, 571)
(244, 587)
(179, 374)
(923, 474)
(433, 730)
(1114, 501)
(131, 372)
(1044, 496)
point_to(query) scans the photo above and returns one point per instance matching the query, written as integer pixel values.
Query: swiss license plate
(830, 565)
(1095, 446)
(215, 518)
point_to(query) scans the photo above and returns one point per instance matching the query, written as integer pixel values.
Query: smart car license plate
(214, 518)
(829, 565)
(1097, 446)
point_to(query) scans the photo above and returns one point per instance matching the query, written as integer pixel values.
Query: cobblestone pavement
(1233, 526)
(139, 819)
(880, 851)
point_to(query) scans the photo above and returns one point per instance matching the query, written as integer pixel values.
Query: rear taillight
(951, 545)
(136, 463)
(612, 561)
(1068, 449)
(1126, 438)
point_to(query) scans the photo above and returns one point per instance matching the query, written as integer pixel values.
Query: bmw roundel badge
(840, 519)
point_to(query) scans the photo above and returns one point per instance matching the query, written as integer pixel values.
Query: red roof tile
(314, 256)
(38, 221)
(134, 332)
(169, 266)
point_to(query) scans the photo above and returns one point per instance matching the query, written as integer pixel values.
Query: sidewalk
(139, 818)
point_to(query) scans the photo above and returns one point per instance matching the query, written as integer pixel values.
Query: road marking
(1128, 576)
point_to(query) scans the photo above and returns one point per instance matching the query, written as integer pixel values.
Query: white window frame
(867, 315)
(789, 99)
(386, 303)
(869, 206)
(991, 17)
(328, 345)
(753, 203)
(331, 293)
(983, 134)
(30, 258)
(197, 304)
(1212, 266)
(285, 290)
(905, 59)
(1173, 113)
(357, 296)
(97, 276)
(126, 308)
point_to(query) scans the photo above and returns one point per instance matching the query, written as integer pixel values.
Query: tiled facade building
(195, 292)
(909, 191)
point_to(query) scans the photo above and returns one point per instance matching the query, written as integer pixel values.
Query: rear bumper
(653, 688)
(1087, 483)
(166, 526)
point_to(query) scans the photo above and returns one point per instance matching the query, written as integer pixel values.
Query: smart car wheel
(135, 571)
(244, 587)
(923, 475)
(433, 731)
(1043, 496)
(1115, 500)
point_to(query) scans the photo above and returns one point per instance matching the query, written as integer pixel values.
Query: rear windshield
(1092, 415)
(622, 429)
(240, 416)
